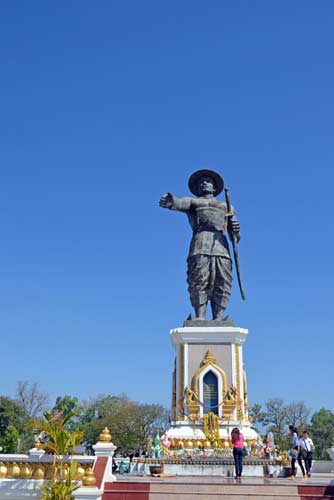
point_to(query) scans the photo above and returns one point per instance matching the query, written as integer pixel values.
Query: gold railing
(40, 470)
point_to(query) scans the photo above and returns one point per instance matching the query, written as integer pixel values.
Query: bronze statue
(209, 273)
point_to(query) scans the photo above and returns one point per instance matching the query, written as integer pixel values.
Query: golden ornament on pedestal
(62, 472)
(39, 472)
(207, 444)
(3, 470)
(180, 444)
(79, 473)
(13, 470)
(48, 471)
(105, 436)
(226, 444)
(189, 444)
(25, 471)
(89, 479)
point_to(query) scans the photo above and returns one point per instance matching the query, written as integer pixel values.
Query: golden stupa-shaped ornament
(3, 470)
(38, 472)
(89, 480)
(25, 471)
(209, 357)
(105, 436)
(13, 470)
(80, 473)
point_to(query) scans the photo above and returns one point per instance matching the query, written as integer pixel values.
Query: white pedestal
(191, 346)
(218, 350)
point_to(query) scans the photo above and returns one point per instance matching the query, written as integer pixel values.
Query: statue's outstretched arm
(170, 201)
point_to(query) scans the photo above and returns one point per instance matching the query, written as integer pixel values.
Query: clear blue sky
(107, 105)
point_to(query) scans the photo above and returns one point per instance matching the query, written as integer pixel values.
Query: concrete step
(193, 490)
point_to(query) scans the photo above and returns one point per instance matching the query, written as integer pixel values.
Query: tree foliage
(12, 414)
(258, 416)
(31, 398)
(322, 432)
(9, 441)
(277, 416)
(129, 422)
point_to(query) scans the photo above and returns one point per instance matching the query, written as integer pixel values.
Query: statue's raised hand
(166, 201)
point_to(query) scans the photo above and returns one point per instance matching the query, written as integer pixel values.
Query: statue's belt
(221, 232)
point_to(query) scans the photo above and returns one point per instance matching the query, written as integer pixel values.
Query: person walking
(238, 446)
(306, 448)
(293, 450)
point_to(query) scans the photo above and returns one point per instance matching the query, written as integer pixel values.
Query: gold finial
(105, 436)
(89, 479)
(38, 444)
(209, 357)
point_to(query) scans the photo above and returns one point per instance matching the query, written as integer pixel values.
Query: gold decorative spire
(209, 357)
(105, 436)
(89, 479)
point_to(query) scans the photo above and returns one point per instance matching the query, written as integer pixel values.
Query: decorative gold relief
(174, 392)
(238, 369)
(192, 404)
(230, 401)
(181, 383)
(209, 360)
(245, 394)
(211, 429)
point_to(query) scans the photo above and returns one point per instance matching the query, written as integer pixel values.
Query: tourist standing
(238, 446)
(294, 450)
(306, 448)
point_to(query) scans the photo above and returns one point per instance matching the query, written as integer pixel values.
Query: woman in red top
(238, 445)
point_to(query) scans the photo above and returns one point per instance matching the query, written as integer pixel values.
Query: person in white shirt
(306, 448)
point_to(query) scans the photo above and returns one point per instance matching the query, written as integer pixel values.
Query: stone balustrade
(21, 475)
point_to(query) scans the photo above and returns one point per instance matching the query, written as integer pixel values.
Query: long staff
(234, 242)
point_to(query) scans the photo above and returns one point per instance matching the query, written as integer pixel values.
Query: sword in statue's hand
(233, 238)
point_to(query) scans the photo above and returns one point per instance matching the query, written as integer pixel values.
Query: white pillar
(103, 449)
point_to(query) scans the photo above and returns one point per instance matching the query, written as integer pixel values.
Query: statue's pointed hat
(193, 181)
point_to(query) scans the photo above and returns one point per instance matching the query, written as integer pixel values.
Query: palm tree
(61, 442)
